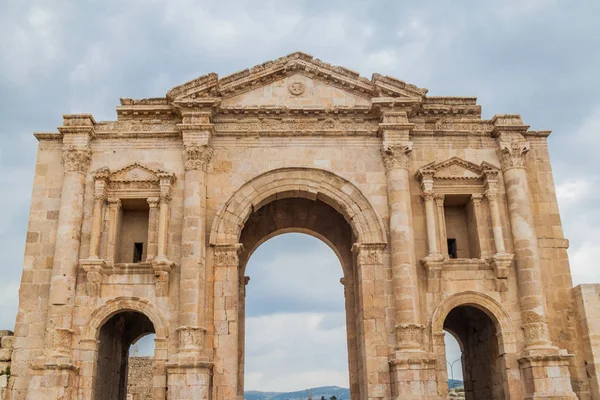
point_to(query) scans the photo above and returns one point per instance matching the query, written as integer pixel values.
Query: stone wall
(139, 378)
(587, 304)
(6, 348)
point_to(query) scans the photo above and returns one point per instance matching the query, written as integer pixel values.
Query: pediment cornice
(456, 168)
(296, 63)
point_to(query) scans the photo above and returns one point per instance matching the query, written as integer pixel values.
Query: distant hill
(455, 383)
(327, 391)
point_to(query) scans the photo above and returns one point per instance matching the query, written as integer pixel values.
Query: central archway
(323, 205)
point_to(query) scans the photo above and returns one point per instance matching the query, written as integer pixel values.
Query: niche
(461, 227)
(133, 243)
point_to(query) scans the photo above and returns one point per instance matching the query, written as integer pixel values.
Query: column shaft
(432, 231)
(96, 227)
(480, 228)
(192, 238)
(531, 291)
(402, 241)
(163, 218)
(66, 254)
(441, 218)
(496, 222)
(152, 228)
(114, 227)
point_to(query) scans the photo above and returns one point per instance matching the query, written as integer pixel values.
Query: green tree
(333, 397)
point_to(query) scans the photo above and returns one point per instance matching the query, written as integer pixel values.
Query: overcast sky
(539, 58)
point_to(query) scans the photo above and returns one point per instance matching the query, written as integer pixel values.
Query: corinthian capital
(197, 157)
(396, 155)
(512, 153)
(76, 160)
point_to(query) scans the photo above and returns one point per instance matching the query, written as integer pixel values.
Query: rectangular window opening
(452, 248)
(138, 250)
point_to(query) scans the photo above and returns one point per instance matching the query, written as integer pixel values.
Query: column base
(189, 377)
(52, 378)
(546, 374)
(413, 375)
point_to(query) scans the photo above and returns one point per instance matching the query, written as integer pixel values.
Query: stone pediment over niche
(456, 168)
(272, 83)
(135, 180)
(136, 172)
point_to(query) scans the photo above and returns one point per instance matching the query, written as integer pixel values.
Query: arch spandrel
(309, 183)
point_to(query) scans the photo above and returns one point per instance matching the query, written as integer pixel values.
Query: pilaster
(544, 366)
(226, 320)
(372, 327)
(195, 130)
(53, 374)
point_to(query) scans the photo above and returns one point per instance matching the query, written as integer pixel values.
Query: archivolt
(119, 304)
(485, 303)
(308, 183)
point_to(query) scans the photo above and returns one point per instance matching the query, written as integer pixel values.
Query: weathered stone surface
(139, 378)
(441, 219)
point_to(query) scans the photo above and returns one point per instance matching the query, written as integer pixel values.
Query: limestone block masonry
(443, 222)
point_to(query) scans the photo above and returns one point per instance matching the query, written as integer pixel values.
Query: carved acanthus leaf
(197, 157)
(396, 155)
(76, 160)
(512, 153)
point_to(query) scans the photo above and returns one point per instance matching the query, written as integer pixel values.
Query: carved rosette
(76, 160)
(197, 157)
(369, 253)
(396, 155)
(190, 338)
(512, 153)
(409, 336)
(227, 255)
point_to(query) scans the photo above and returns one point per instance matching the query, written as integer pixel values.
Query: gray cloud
(536, 57)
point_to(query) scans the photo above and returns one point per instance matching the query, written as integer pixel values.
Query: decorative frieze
(409, 336)
(369, 253)
(227, 255)
(191, 338)
(60, 340)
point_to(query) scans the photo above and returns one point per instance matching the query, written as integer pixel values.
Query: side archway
(491, 310)
(89, 347)
(309, 183)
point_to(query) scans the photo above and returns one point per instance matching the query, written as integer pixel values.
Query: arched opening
(454, 352)
(115, 340)
(323, 222)
(476, 335)
(295, 318)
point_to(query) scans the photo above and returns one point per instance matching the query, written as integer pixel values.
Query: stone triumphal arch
(442, 221)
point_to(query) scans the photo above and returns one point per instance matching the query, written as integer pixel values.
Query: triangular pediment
(298, 90)
(136, 172)
(455, 168)
(271, 78)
